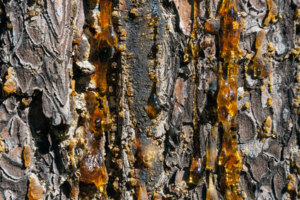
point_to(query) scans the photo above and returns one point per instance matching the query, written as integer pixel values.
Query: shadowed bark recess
(159, 99)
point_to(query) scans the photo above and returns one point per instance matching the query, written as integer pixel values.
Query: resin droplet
(292, 185)
(10, 85)
(230, 158)
(268, 125)
(107, 30)
(100, 118)
(106, 121)
(2, 145)
(258, 60)
(99, 77)
(196, 171)
(26, 101)
(35, 190)
(260, 38)
(273, 12)
(153, 108)
(106, 124)
(93, 170)
(27, 155)
(112, 39)
(100, 111)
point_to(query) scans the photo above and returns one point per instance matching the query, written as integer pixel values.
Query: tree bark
(157, 89)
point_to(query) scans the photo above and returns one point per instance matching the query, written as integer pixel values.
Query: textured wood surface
(46, 45)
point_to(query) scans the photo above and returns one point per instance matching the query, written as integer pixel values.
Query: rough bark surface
(47, 53)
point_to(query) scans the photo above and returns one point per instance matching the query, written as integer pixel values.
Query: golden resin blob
(231, 159)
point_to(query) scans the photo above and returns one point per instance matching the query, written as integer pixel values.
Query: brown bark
(49, 54)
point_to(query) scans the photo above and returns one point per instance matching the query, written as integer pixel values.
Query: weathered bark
(162, 103)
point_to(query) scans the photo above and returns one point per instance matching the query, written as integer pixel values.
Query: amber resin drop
(273, 12)
(27, 155)
(10, 85)
(107, 30)
(192, 54)
(196, 171)
(230, 159)
(258, 60)
(35, 190)
(98, 118)
(93, 170)
(154, 107)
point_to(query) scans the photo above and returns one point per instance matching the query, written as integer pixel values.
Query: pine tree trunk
(119, 100)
